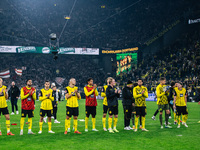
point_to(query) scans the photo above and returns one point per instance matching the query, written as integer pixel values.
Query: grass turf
(156, 138)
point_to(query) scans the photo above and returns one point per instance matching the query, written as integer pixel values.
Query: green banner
(46, 50)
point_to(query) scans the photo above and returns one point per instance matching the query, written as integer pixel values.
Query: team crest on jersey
(181, 95)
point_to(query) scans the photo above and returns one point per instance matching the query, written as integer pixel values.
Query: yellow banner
(119, 51)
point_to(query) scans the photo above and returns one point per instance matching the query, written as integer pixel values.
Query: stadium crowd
(179, 62)
(83, 29)
(37, 69)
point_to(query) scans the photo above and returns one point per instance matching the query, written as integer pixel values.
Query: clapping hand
(95, 86)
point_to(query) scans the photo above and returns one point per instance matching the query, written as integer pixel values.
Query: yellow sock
(75, 124)
(104, 122)
(174, 116)
(8, 125)
(115, 122)
(136, 122)
(66, 124)
(93, 123)
(143, 122)
(22, 123)
(49, 125)
(29, 123)
(179, 118)
(184, 117)
(109, 123)
(40, 124)
(69, 123)
(86, 122)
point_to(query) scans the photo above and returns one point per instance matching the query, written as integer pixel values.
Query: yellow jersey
(46, 102)
(3, 103)
(161, 95)
(180, 97)
(140, 99)
(73, 100)
(103, 94)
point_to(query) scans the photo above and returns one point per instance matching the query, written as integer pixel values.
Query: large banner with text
(46, 50)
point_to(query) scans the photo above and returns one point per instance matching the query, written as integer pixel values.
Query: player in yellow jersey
(4, 106)
(46, 97)
(140, 93)
(162, 101)
(105, 104)
(180, 104)
(72, 96)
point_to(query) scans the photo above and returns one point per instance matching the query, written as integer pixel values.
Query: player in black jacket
(128, 102)
(14, 93)
(112, 94)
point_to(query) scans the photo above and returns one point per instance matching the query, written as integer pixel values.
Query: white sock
(29, 130)
(21, 130)
(8, 131)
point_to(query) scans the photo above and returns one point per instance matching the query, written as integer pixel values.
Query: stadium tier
(99, 74)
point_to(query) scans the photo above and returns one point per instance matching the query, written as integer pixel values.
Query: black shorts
(4, 111)
(181, 110)
(90, 110)
(127, 111)
(30, 113)
(113, 110)
(72, 111)
(141, 111)
(48, 112)
(133, 110)
(105, 109)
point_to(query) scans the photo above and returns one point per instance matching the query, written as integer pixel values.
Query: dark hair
(140, 79)
(89, 79)
(172, 83)
(27, 80)
(47, 81)
(162, 78)
(181, 83)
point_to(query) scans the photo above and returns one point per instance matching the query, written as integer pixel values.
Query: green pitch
(156, 138)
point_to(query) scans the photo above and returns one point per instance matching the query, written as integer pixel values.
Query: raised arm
(88, 93)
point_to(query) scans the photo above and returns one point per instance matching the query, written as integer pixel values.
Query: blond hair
(70, 80)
